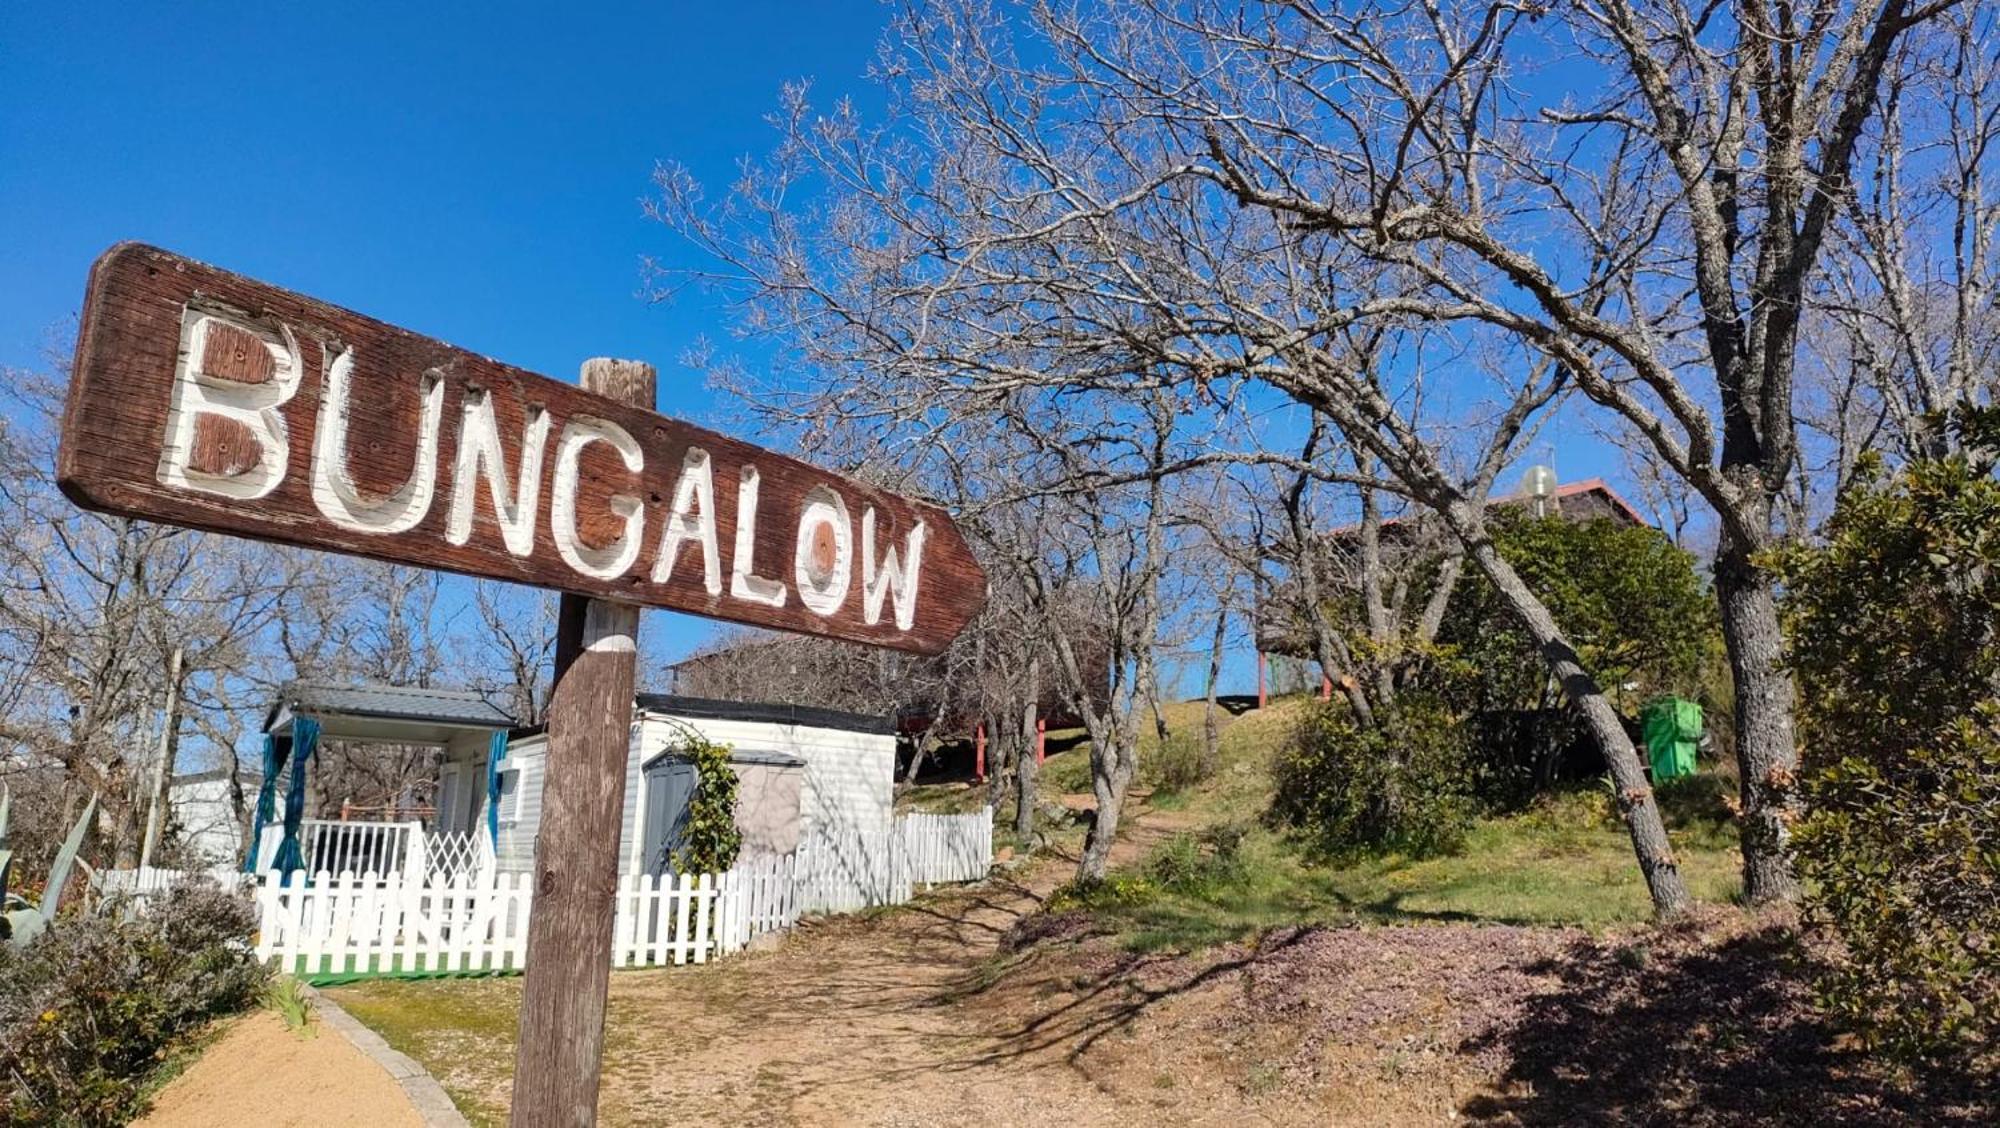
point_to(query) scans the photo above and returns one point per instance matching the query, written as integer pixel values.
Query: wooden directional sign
(203, 398)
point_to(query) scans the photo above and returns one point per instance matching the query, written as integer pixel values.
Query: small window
(510, 795)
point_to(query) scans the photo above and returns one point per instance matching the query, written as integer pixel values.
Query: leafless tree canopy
(1425, 223)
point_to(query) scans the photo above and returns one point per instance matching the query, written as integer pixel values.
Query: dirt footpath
(884, 1018)
(259, 1073)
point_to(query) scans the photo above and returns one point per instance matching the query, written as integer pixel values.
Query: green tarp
(1671, 728)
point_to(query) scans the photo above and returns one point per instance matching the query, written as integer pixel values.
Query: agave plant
(20, 919)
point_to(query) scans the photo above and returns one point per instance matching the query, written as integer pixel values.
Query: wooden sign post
(558, 1055)
(206, 399)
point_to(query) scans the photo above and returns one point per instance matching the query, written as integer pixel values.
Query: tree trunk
(1635, 795)
(1026, 766)
(919, 754)
(1766, 749)
(1109, 777)
(1211, 727)
(1025, 769)
(999, 759)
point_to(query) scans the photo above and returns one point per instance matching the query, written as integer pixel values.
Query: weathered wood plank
(571, 933)
(203, 398)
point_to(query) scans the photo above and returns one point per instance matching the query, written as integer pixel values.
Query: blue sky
(472, 172)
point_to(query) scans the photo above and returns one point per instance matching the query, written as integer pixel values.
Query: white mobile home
(812, 781)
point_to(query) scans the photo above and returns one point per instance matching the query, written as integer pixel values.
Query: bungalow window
(511, 787)
(510, 795)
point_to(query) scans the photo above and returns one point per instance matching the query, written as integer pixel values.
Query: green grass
(1564, 863)
(956, 798)
(457, 1028)
(1241, 785)
(1567, 861)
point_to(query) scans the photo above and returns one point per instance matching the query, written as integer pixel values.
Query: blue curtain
(267, 799)
(305, 738)
(496, 749)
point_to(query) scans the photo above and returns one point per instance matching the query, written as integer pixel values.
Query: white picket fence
(144, 884)
(372, 924)
(476, 920)
(762, 892)
(928, 849)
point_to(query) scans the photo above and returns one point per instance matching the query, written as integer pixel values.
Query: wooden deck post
(576, 853)
(1041, 739)
(1263, 693)
(979, 752)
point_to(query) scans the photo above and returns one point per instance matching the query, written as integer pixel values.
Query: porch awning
(390, 714)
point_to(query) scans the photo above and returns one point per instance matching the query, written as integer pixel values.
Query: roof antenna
(1539, 484)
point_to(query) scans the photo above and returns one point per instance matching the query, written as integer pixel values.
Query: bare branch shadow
(1672, 1029)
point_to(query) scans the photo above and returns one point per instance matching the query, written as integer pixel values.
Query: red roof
(1596, 486)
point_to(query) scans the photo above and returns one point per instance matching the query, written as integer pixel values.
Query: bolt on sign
(206, 399)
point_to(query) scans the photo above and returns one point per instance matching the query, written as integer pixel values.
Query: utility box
(1671, 728)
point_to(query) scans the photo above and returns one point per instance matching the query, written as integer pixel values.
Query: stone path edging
(426, 1095)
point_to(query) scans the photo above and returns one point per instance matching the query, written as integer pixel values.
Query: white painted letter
(254, 406)
(823, 590)
(479, 449)
(611, 561)
(743, 584)
(696, 487)
(876, 582)
(334, 490)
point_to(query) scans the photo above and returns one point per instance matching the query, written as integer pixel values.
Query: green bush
(1629, 600)
(1894, 634)
(1114, 890)
(1177, 765)
(1404, 785)
(1199, 865)
(711, 841)
(92, 1007)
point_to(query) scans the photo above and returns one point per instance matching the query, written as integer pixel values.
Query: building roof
(1595, 488)
(767, 712)
(424, 706)
(736, 756)
(1595, 495)
(1591, 499)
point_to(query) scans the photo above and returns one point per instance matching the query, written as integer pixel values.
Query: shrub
(1894, 634)
(1199, 865)
(90, 1008)
(711, 841)
(1177, 765)
(1629, 600)
(1112, 891)
(1404, 785)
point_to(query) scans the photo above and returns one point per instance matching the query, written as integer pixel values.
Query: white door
(449, 800)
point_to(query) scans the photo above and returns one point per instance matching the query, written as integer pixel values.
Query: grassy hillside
(1223, 875)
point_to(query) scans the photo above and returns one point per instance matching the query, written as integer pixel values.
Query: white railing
(375, 924)
(445, 857)
(333, 847)
(404, 849)
(926, 849)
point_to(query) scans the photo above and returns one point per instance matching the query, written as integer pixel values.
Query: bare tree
(1069, 226)
(1658, 239)
(1909, 324)
(1155, 169)
(90, 606)
(516, 642)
